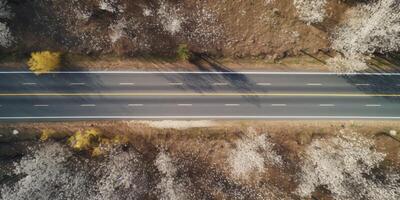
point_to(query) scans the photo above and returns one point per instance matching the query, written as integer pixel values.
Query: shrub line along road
(198, 95)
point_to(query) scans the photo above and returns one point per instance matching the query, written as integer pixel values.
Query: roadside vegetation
(168, 160)
(183, 52)
(44, 61)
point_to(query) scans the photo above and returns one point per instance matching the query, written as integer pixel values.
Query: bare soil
(236, 29)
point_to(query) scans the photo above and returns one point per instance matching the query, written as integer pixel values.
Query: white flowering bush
(350, 64)
(372, 28)
(168, 187)
(170, 18)
(44, 174)
(113, 6)
(311, 11)
(5, 11)
(117, 30)
(344, 165)
(251, 154)
(52, 171)
(121, 177)
(6, 38)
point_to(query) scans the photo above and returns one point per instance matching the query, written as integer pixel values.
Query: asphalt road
(129, 95)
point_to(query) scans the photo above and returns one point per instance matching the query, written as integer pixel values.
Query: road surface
(226, 95)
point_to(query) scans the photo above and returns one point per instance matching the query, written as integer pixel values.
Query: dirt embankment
(218, 159)
(258, 28)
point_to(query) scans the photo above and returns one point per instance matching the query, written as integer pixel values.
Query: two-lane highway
(198, 95)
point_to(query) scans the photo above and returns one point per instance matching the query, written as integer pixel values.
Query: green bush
(183, 52)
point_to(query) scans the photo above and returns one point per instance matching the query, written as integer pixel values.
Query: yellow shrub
(45, 61)
(94, 142)
(46, 134)
(97, 151)
(85, 140)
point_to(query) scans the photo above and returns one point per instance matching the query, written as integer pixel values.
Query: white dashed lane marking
(29, 84)
(220, 84)
(126, 83)
(373, 105)
(278, 105)
(314, 84)
(41, 105)
(175, 83)
(264, 84)
(77, 84)
(88, 105)
(327, 105)
(232, 104)
(135, 105)
(185, 104)
(363, 84)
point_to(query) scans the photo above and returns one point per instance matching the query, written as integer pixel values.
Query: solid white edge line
(201, 117)
(199, 72)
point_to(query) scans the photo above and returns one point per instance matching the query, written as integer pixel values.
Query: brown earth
(238, 29)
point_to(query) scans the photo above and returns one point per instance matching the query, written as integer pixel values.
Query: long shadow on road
(230, 80)
(376, 84)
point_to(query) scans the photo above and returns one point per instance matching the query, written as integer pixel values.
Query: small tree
(45, 61)
(183, 52)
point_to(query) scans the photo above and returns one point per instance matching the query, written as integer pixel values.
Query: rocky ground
(201, 160)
